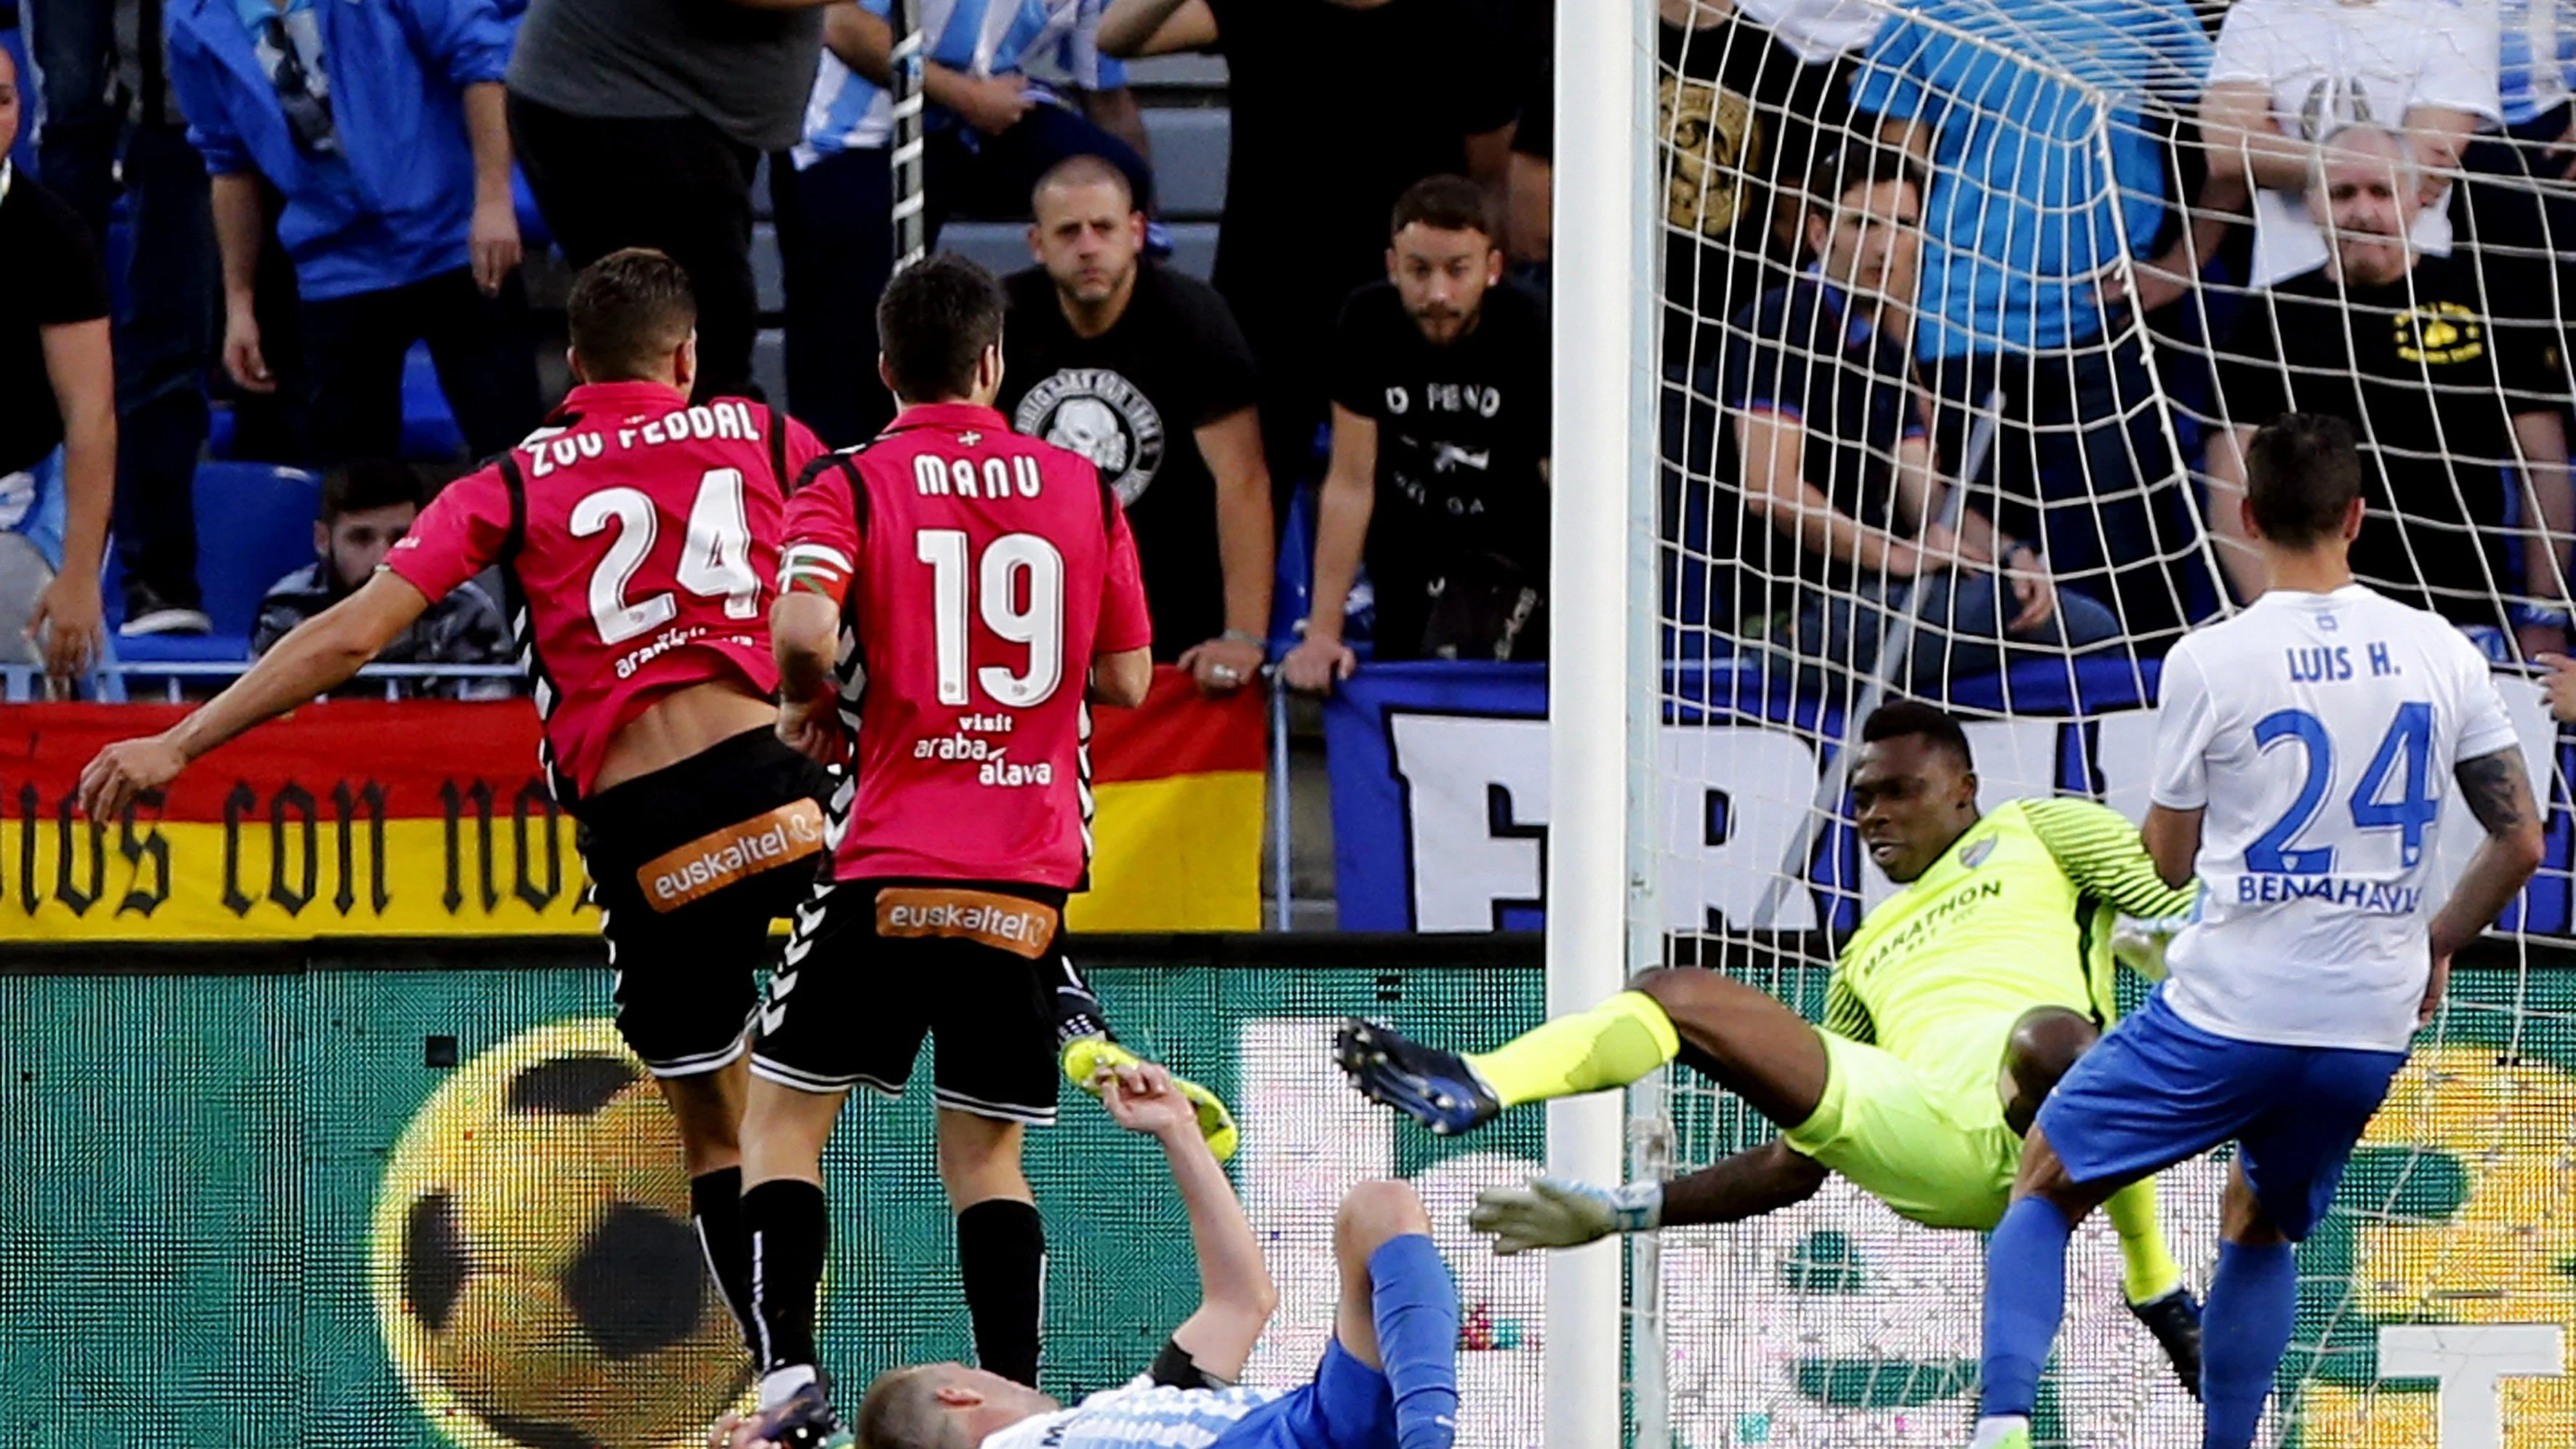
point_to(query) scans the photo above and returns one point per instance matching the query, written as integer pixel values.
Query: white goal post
(1603, 698)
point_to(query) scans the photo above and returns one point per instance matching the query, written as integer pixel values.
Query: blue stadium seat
(429, 432)
(254, 525)
(1292, 588)
(219, 431)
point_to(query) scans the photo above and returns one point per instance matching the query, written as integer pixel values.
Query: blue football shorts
(1348, 1406)
(2158, 1090)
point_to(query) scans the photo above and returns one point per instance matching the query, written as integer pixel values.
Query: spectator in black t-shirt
(1115, 357)
(57, 419)
(1440, 447)
(1529, 180)
(1832, 431)
(1738, 104)
(112, 128)
(2451, 398)
(1337, 107)
(367, 506)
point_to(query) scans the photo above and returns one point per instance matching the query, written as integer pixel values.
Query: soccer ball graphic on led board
(535, 1273)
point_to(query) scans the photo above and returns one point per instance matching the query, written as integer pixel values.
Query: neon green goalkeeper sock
(1611, 1045)
(2147, 1269)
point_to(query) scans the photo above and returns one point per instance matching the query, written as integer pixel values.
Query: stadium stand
(254, 522)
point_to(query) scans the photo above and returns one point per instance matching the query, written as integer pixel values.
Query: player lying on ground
(1388, 1379)
(1956, 1006)
(2301, 749)
(654, 682)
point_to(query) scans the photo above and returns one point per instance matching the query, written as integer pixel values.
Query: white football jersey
(1139, 1414)
(2318, 733)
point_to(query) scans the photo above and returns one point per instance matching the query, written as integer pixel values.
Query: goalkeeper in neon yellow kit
(1955, 1008)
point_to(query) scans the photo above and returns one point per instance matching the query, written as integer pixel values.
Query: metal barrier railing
(106, 681)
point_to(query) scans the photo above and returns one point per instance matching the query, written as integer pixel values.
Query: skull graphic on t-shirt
(1098, 413)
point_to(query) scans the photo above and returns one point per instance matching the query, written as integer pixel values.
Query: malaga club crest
(1098, 413)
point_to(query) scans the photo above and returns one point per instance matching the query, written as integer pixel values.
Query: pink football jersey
(638, 542)
(979, 573)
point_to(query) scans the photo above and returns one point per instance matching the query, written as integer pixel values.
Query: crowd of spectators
(2144, 228)
(1968, 304)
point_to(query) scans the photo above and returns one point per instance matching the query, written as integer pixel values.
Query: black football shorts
(874, 966)
(688, 866)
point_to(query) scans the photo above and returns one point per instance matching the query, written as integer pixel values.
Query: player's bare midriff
(682, 723)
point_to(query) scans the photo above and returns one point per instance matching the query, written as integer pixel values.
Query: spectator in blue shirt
(991, 130)
(381, 126)
(2016, 106)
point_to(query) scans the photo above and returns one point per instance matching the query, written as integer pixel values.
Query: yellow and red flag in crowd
(426, 819)
(1176, 845)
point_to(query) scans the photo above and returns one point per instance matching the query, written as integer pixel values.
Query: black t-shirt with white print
(1462, 442)
(1130, 400)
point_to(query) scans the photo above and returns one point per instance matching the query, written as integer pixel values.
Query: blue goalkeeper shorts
(2158, 1090)
(1348, 1406)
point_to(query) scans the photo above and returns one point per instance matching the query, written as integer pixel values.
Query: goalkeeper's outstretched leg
(1737, 1035)
(1843, 1106)
(1745, 1040)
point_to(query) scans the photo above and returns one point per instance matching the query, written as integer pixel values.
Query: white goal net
(1961, 316)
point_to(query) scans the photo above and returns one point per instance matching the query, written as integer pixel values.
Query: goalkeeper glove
(2140, 945)
(1552, 1212)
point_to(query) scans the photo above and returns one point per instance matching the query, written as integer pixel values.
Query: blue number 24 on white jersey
(2317, 735)
(2412, 813)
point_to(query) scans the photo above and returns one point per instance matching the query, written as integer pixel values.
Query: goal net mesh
(1920, 442)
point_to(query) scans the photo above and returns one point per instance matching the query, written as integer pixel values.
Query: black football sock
(715, 1206)
(788, 1228)
(1001, 1258)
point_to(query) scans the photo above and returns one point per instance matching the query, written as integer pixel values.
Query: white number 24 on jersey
(1037, 624)
(715, 556)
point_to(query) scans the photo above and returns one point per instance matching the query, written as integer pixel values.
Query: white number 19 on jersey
(1037, 623)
